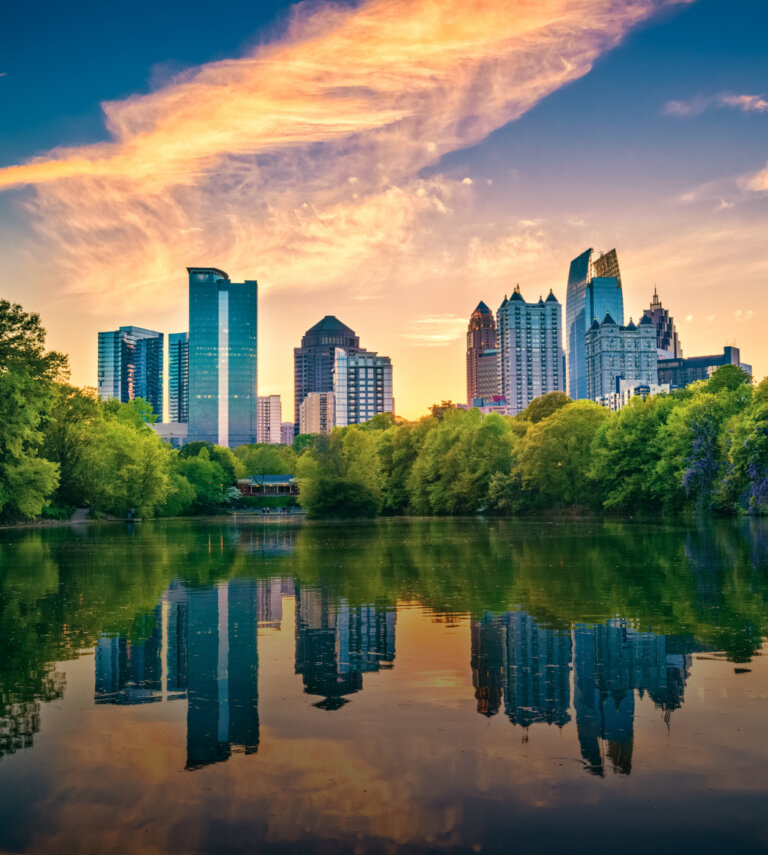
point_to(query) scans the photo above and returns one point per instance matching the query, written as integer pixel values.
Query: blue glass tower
(131, 366)
(178, 377)
(222, 358)
(594, 290)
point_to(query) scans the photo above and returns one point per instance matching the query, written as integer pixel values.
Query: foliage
(263, 459)
(544, 406)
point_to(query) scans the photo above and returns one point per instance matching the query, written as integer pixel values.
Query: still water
(398, 686)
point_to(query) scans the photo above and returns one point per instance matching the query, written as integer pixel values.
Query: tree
(263, 459)
(543, 406)
(230, 464)
(207, 478)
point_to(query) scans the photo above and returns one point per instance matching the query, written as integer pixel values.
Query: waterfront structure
(531, 356)
(615, 353)
(679, 373)
(594, 290)
(313, 362)
(178, 377)
(287, 431)
(222, 358)
(482, 355)
(268, 419)
(130, 365)
(316, 414)
(667, 341)
(362, 387)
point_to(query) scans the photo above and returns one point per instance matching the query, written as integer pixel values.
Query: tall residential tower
(222, 358)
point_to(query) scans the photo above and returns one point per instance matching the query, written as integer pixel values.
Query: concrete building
(316, 414)
(222, 358)
(130, 365)
(667, 341)
(287, 432)
(531, 357)
(178, 377)
(594, 290)
(313, 362)
(679, 373)
(482, 355)
(626, 391)
(268, 419)
(615, 353)
(362, 387)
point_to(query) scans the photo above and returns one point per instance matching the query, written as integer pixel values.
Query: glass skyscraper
(178, 377)
(594, 290)
(222, 358)
(131, 366)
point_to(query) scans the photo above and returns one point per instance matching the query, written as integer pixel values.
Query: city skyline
(403, 196)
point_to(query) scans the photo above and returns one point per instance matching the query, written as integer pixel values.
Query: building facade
(362, 387)
(615, 353)
(222, 358)
(679, 373)
(667, 341)
(626, 391)
(313, 362)
(178, 377)
(268, 419)
(594, 290)
(482, 356)
(130, 365)
(287, 433)
(531, 356)
(316, 414)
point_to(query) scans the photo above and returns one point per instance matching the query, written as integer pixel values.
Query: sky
(391, 162)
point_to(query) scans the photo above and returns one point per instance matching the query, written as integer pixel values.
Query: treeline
(702, 449)
(62, 448)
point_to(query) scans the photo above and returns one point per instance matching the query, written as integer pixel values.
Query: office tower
(131, 366)
(287, 433)
(313, 362)
(268, 419)
(680, 373)
(594, 290)
(316, 413)
(222, 358)
(615, 353)
(531, 358)
(178, 377)
(362, 387)
(667, 342)
(482, 356)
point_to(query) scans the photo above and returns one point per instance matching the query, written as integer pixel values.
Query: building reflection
(526, 668)
(337, 643)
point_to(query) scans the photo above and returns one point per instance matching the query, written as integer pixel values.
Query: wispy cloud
(301, 159)
(436, 331)
(697, 105)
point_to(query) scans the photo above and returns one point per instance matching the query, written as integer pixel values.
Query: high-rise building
(362, 387)
(178, 377)
(594, 290)
(531, 358)
(667, 341)
(131, 366)
(287, 433)
(222, 358)
(615, 353)
(316, 414)
(313, 362)
(680, 373)
(482, 356)
(268, 419)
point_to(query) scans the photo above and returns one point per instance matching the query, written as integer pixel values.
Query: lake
(446, 686)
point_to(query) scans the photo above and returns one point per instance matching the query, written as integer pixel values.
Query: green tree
(543, 406)
(263, 459)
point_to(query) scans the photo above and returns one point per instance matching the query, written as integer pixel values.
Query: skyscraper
(313, 362)
(316, 414)
(482, 356)
(362, 387)
(531, 358)
(268, 419)
(620, 353)
(594, 290)
(222, 358)
(178, 377)
(131, 366)
(667, 342)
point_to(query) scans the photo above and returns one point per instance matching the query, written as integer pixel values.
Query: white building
(316, 413)
(620, 353)
(530, 344)
(626, 390)
(268, 419)
(362, 387)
